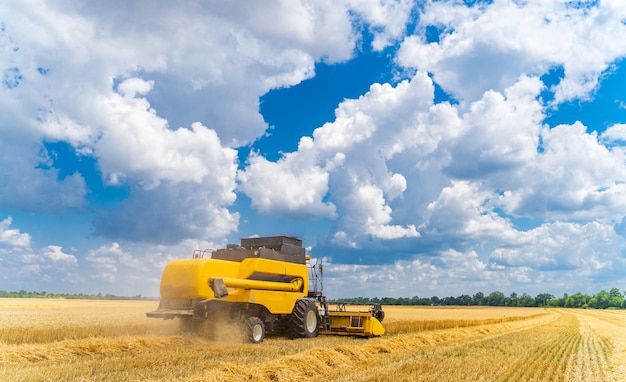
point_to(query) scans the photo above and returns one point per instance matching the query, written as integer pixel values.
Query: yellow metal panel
(275, 302)
(354, 323)
(374, 327)
(256, 265)
(187, 278)
(250, 266)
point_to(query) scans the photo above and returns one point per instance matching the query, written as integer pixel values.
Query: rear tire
(304, 321)
(377, 312)
(255, 330)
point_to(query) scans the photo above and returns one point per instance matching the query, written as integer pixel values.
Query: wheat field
(81, 340)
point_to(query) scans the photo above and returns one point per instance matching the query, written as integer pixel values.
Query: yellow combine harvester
(263, 285)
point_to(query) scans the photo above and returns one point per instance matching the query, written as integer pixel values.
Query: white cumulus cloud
(487, 46)
(12, 237)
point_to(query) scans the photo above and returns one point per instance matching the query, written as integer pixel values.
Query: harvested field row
(363, 362)
(556, 350)
(559, 352)
(71, 349)
(408, 326)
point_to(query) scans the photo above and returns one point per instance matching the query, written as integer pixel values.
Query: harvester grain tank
(262, 284)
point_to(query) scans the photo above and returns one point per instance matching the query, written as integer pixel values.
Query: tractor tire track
(569, 350)
(590, 363)
(550, 349)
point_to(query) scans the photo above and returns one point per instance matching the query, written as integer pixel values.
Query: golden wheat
(40, 321)
(68, 340)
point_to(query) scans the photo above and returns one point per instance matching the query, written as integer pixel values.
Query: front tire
(304, 321)
(255, 330)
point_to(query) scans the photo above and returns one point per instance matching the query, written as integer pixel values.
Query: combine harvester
(262, 285)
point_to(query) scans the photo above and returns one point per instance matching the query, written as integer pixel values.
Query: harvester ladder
(325, 324)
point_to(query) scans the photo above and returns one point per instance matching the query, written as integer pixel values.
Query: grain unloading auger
(262, 285)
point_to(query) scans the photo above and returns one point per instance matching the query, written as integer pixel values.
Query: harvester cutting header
(263, 284)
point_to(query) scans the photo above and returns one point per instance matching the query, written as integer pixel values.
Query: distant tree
(559, 302)
(415, 300)
(464, 300)
(478, 298)
(616, 299)
(496, 298)
(450, 300)
(388, 301)
(543, 299)
(513, 299)
(577, 300)
(403, 301)
(600, 300)
(526, 300)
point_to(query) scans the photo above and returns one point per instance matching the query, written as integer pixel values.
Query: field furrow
(569, 356)
(591, 361)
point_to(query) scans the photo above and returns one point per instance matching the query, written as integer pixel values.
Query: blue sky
(419, 148)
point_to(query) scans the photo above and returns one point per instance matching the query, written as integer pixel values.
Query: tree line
(613, 299)
(44, 294)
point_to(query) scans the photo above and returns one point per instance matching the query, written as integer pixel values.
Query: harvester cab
(264, 284)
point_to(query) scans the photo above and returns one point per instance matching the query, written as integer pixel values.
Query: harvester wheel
(255, 330)
(378, 313)
(304, 321)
